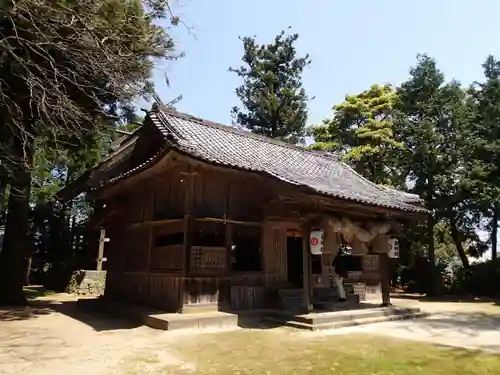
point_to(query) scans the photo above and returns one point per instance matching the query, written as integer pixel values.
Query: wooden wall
(155, 275)
(275, 255)
(160, 290)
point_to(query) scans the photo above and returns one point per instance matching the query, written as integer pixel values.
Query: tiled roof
(322, 173)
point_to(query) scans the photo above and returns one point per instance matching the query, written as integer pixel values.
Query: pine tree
(430, 118)
(484, 147)
(362, 130)
(67, 69)
(273, 98)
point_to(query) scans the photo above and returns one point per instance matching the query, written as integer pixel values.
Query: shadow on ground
(8, 314)
(99, 321)
(468, 324)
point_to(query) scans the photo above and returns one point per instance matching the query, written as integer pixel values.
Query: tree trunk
(27, 272)
(494, 231)
(455, 235)
(3, 195)
(16, 239)
(433, 288)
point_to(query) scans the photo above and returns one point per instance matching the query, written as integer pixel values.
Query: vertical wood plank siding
(158, 290)
(275, 256)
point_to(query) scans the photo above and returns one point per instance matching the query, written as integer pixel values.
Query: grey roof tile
(322, 173)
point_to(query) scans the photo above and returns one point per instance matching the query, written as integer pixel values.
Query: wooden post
(229, 245)
(384, 279)
(100, 255)
(188, 217)
(306, 267)
(150, 245)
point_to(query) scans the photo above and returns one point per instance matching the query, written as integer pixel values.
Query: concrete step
(169, 322)
(347, 323)
(357, 322)
(160, 319)
(352, 315)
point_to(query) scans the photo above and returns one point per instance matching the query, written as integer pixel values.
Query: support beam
(385, 279)
(306, 267)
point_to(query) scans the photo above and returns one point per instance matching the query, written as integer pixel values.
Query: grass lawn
(282, 351)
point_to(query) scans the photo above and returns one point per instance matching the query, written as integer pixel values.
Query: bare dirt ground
(53, 336)
(463, 324)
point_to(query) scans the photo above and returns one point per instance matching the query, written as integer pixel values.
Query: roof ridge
(174, 112)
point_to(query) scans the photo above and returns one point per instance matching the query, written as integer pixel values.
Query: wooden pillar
(150, 245)
(229, 227)
(306, 267)
(100, 255)
(385, 279)
(229, 244)
(189, 180)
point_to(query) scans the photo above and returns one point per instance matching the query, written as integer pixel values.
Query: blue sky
(352, 44)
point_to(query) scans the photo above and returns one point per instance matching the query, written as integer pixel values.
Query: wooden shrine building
(200, 214)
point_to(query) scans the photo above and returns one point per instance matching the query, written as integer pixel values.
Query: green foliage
(483, 151)
(426, 137)
(69, 71)
(274, 101)
(362, 131)
(76, 64)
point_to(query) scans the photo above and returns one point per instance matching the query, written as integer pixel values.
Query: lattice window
(207, 259)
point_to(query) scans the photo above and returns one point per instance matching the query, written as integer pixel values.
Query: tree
(362, 130)
(484, 147)
(67, 69)
(274, 101)
(430, 120)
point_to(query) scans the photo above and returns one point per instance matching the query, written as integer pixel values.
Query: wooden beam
(219, 220)
(306, 267)
(153, 223)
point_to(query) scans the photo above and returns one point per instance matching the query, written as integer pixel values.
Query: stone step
(349, 323)
(159, 319)
(352, 315)
(169, 322)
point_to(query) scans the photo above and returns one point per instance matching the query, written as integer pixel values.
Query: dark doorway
(294, 261)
